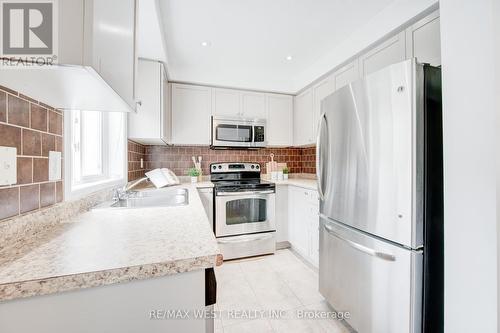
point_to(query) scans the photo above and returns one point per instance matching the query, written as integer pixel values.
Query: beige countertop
(307, 183)
(310, 184)
(107, 246)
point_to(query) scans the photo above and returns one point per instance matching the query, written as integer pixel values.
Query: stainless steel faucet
(124, 192)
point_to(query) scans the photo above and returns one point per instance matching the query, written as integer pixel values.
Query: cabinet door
(424, 40)
(389, 52)
(191, 110)
(300, 235)
(282, 204)
(279, 120)
(313, 210)
(207, 199)
(226, 102)
(110, 17)
(320, 91)
(346, 75)
(144, 125)
(253, 105)
(302, 118)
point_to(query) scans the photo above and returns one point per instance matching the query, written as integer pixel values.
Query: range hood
(65, 87)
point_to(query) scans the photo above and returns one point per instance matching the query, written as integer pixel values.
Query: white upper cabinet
(389, 52)
(239, 103)
(114, 52)
(279, 120)
(320, 91)
(346, 74)
(191, 110)
(98, 39)
(253, 105)
(150, 123)
(423, 40)
(303, 119)
(226, 102)
(107, 44)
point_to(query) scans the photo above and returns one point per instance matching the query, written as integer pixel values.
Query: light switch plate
(54, 165)
(8, 166)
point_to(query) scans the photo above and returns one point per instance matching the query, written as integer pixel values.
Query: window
(95, 157)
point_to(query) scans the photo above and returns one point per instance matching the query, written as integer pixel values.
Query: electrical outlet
(54, 165)
(8, 166)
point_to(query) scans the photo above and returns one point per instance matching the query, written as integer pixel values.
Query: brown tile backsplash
(48, 144)
(10, 136)
(32, 143)
(3, 106)
(38, 118)
(18, 111)
(40, 170)
(47, 194)
(178, 159)
(59, 191)
(9, 197)
(55, 123)
(135, 153)
(34, 129)
(30, 198)
(24, 170)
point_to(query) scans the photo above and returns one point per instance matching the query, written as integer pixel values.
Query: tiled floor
(281, 283)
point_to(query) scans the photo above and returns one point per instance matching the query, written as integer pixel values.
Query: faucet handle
(118, 194)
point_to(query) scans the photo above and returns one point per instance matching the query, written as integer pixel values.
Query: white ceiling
(250, 39)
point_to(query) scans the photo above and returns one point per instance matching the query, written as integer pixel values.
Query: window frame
(91, 184)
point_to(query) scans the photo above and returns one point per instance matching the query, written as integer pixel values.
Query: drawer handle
(246, 239)
(359, 247)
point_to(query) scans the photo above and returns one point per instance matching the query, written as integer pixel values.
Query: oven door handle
(233, 194)
(249, 238)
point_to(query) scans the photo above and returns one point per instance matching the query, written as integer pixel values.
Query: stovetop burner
(233, 177)
(230, 186)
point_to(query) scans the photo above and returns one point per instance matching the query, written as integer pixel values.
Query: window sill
(80, 191)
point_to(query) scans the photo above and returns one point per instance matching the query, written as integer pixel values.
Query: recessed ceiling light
(289, 58)
(205, 44)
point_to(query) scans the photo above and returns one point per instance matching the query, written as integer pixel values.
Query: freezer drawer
(378, 283)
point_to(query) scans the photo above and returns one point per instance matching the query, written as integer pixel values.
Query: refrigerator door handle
(359, 247)
(319, 169)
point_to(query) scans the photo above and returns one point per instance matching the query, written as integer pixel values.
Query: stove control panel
(234, 167)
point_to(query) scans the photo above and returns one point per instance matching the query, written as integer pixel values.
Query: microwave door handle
(359, 247)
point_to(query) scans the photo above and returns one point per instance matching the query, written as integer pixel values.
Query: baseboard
(283, 245)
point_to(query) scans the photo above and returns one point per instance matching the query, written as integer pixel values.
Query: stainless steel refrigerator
(379, 165)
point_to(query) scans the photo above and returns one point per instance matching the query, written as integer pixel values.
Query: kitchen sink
(151, 198)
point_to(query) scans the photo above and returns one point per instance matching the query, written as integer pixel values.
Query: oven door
(238, 213)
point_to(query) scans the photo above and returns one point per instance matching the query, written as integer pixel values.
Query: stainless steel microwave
(231, 132)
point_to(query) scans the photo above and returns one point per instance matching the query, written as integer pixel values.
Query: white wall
(496, 20)
(470, 169)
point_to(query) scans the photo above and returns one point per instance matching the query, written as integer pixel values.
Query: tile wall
(135, 153)
(34, 129)
(178, 159)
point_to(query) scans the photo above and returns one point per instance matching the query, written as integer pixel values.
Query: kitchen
(184, 169)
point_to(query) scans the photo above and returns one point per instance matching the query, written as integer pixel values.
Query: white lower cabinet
(281, 215)
(303, 222)
(207, 199)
